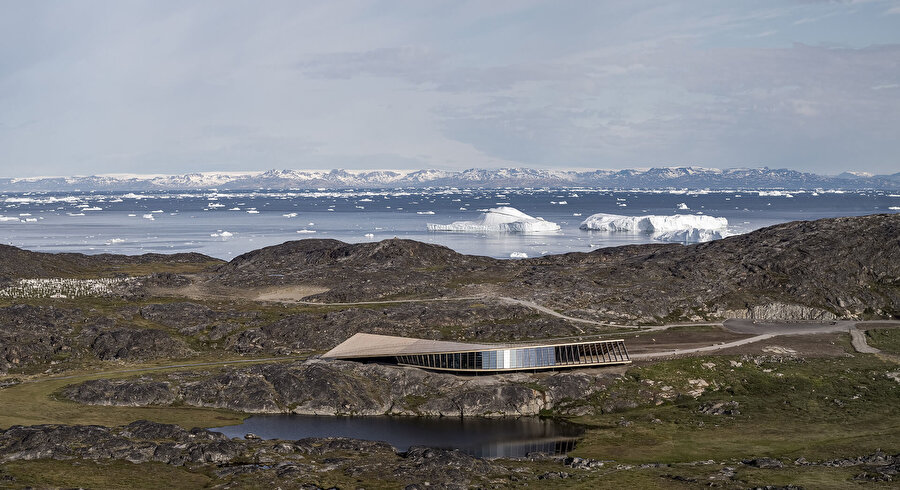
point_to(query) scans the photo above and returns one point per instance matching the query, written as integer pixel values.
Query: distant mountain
(653, 178)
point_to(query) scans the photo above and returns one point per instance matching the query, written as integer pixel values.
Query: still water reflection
(485, 438)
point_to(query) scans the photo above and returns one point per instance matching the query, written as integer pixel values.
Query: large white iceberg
(502, 219)
(674, 228)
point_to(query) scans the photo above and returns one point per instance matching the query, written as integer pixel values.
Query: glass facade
(530, 357)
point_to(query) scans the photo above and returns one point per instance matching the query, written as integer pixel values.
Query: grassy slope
(817, 408)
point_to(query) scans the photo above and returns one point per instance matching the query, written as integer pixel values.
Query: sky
(159, 86)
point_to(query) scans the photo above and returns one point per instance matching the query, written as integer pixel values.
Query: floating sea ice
(252, 211)
(424, 212)
(80, 214)
(132, 215)
(682, 206)
(157, 211)
(503, 219)
(310, 224)
(289, 215)
(518, 255)
(235, 209)
(679, 227)
(148, 216)
(9, 218)
(30, 220)
(115, 240)
(894, 208)
(369, 235)
(306, 231)
(576, 214)
(223, 234)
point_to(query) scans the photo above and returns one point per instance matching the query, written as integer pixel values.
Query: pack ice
(675, 228)
(502, 219)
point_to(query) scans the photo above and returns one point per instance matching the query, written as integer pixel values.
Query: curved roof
(371, 345)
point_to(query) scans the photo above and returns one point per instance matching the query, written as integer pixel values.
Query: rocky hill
(16, 263)
(839, 267)
(845, 267)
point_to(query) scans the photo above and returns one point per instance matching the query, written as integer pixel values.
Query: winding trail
(858, 339)
(695, 350)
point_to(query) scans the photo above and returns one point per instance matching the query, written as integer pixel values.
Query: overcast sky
(175, 86)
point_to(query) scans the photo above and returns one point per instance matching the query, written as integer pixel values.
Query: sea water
(225, 224)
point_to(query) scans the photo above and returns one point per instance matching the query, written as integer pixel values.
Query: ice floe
(502, 219)
(674, 228)
(518, 255)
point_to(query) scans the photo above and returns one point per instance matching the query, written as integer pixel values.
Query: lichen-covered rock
(320, 387)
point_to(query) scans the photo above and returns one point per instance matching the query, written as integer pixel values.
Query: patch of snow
(499, 220)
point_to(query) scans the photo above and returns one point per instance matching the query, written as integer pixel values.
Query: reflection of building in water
(519, 449)
(465, 357)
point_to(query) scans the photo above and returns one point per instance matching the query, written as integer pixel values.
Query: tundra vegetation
(107, 363)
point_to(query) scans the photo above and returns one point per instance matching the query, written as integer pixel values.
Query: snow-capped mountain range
(653, 178)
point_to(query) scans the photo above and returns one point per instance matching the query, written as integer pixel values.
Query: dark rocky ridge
(17, 263)
(33, 336)
(319, 387)
(845, 267)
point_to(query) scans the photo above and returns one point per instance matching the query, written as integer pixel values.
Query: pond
(480, 437)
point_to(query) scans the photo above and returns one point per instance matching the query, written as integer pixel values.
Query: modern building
(473, 358)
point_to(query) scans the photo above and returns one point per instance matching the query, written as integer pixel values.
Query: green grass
(817, 408)
(48, 473)
(885, 339)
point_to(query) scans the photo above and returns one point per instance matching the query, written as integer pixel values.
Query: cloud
(167, 86)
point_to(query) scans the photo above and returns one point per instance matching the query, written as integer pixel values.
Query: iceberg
(676, 228)
(500, 220)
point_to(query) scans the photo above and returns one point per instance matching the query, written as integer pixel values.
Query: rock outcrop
(298, 464)
(321, 387)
